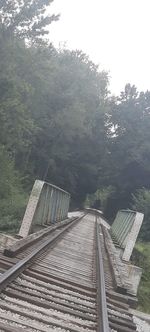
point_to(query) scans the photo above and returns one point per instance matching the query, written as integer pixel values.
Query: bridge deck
(74, 257)
(59, 291)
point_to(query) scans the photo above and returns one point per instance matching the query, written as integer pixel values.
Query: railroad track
(63, 282)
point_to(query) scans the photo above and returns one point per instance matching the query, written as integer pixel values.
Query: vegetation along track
(63, 282)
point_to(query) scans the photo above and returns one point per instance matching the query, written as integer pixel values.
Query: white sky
(114, 33)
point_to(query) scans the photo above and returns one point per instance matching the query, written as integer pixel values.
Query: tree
(12, 195)
(69, 108)
(129, 140)
(26, 18)
(16, 124)
(100, 198)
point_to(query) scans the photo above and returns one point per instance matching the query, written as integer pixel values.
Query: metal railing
(47, 204)
(125, 230)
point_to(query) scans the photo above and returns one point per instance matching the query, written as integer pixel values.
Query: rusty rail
(103, 325)
(15, 270)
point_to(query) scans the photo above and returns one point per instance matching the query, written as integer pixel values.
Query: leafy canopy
(26, 18)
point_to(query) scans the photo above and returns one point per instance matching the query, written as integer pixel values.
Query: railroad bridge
(69, 272)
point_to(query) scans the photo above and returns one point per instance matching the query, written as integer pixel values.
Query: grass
(141, 257)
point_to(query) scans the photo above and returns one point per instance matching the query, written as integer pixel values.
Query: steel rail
(103, 324)
(24, 263)
(24, 243)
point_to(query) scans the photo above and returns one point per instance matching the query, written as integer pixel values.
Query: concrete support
(31, 208)
(134, 273)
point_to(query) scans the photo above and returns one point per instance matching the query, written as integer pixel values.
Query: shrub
(141, 203)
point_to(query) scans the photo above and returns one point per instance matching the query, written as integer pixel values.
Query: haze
(115, 34)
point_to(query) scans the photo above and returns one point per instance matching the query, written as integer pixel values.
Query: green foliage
(130, 151)
(16, 125)
(68, 106)
(12, 196)
(127, 166)
(141, 258)
(100, 197)
(141, 203)
(26, 18)
(52, 116)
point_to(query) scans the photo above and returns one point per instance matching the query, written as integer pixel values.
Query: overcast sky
(114, 33)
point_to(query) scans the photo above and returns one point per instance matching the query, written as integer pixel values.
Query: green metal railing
(125, 229)
(122, 226)
(47, 204)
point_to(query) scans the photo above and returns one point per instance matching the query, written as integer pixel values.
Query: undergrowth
(141, 258)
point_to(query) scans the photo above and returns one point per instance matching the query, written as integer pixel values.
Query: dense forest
(60, 123)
